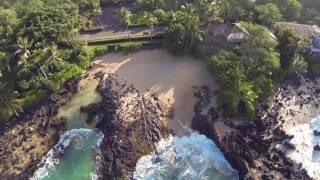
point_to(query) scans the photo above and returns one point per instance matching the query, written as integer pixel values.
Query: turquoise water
(76, 159)
(193, 157)
(73, 167)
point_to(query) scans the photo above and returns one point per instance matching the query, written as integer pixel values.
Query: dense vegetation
(38, 52)
(248, 72)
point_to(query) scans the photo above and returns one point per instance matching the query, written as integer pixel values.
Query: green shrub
(69, 72)
(84, 62)
(129, 47)
(32, 97)
(100, 50)
(23, 85)
(5, 115)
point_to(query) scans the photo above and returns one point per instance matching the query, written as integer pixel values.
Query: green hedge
(32, 97)
(128, 47)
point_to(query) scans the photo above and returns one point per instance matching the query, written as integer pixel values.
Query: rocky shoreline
(250, 146)
(131, 122)
(28, 138)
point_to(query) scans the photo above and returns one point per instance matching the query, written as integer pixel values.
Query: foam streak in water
(75, 140)
(191, 157)
(304, 141)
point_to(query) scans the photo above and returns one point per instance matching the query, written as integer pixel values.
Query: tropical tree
(151, 5)
(150, 20)
(192, 21)
(4, 63)
(53, 53)
(228, 69)
(268, 14)
(208, 10)
(291, 9)
(8, 22)
(23, 47)
(289, 47)
(126, 18)
(12, 103)
(183, 30)
(259, 50)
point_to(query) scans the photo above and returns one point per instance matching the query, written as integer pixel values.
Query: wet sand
(172, 79)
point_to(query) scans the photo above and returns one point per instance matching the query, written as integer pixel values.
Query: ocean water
(72, 158)
(193, 157)
(304, 140)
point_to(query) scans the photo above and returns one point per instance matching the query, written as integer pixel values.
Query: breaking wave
(304, 141)
(192, 157)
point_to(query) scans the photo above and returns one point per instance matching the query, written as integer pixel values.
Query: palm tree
(53, 57)
(4, 63)
(150, 21)
(192, 21)
(126, 18)
(23, 45)
(53, 51)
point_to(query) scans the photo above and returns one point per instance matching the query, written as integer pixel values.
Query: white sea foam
(304, 141)
(79, 138)
(193, 157)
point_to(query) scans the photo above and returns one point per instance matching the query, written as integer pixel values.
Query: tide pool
(72, 158)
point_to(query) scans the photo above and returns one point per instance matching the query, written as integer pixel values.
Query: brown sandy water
(172, 79)
(86, 95)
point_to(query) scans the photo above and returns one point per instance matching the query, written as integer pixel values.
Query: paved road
(111, 34)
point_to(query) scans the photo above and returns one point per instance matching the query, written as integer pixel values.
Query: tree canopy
(39, 34)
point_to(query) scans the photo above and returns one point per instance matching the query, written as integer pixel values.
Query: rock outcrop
(131, 122)
(249, 146)
(24, 140)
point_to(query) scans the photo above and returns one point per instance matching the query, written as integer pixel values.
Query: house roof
(303, 30)
(232, 33)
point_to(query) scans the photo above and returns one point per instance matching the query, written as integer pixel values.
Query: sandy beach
(156, 72)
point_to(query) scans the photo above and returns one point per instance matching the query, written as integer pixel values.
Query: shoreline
(294, 106)
(131, 122)
(251, 146)
(26, 139)
(157, 72)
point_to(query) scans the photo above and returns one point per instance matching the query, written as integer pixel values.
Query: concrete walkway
(111, 34)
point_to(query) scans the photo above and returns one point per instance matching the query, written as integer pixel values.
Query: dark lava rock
(24, 132)
(316, 133)
(249, 145)
(132, 124)
(289, 145)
